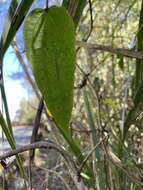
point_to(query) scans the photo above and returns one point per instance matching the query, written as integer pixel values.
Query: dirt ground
(48, 173)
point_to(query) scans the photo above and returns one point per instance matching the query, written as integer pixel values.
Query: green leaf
(79, 10)
(136, 111)
(138, 92)
(12, 26)
(7, 24)
(66, 3)
(50, 47)
(110, 103)
(10, 138)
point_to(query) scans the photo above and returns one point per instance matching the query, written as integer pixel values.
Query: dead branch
(39, 145)
(118, 51)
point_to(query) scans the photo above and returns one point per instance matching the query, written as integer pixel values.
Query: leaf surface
(50, 47)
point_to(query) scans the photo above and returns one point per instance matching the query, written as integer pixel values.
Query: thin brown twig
(110, 49)
(93, 149)
(24, 66)
(43, 144)
(91, 20)
(33, 137)
(36, 126)
(58, 175)
(87, 132)
(117, 162)
(47, 4)
(72, 7)
(95, 95)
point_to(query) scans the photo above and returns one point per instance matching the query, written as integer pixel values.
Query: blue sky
(14, 88)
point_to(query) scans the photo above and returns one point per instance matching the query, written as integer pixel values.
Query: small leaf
(111, 103)
(50, 47)
(85, 176)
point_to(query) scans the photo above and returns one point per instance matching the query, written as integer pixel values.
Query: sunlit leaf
(111, 103)
(50, 47)
(85, 176)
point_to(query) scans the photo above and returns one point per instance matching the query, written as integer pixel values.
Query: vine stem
(43, 144)
(47, 4)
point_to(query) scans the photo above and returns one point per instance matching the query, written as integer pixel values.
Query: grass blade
(14, 25)
(138, 88)
(11, 12)
(11, 141)
(65, 3)
(99, 165)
